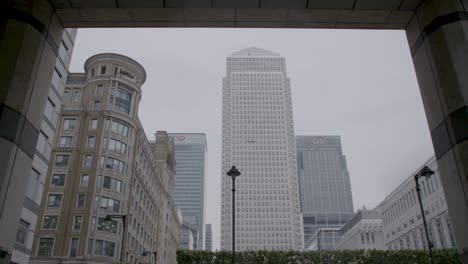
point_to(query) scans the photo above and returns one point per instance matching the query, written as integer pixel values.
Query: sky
(359, 84)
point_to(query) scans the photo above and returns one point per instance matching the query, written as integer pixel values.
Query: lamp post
(124, 225)
(233, 173)
(424, 172)
(145, 253)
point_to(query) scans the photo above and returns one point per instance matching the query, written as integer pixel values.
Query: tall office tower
(326, 199)
(208, 238)
(35, 181)
(189, 187)
(258, 137)
(102, 164)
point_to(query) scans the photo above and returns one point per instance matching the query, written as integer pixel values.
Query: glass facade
(324, 184)
(189, 183)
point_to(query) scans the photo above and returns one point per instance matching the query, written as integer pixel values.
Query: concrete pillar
(438, 39)
(30, 35)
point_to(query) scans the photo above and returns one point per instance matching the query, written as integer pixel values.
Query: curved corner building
(102, 164)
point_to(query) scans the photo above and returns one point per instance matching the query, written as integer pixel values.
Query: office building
(102, 164)
(188, 236)
(363, 231)
(325, 188)
(258, 138)
(402, 220)
(208, 238)
(189, 188)
(35, 181)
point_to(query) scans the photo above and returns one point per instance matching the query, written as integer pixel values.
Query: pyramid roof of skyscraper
(254, 52)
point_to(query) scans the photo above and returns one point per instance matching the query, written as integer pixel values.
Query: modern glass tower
(189, 188)
(258, 137)
(326, 199)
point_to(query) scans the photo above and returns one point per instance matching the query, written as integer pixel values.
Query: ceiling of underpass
(352, 14)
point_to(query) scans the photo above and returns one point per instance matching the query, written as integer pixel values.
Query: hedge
(449, 256)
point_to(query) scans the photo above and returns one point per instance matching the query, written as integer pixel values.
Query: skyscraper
(258, 137)
(189, 187)
(208, 238)
(326, 199)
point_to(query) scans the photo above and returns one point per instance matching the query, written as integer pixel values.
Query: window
(103, 69)
(69, 123)
(80, 201)
(116, 145)
(61, 160)
(99, 89)
(87, 161)
(107, 225)
(66, 94)
(76, 96)
(77, 222)
(92, 72)
(84, 181)
(74, 247)
(54, 200)
(110, 204)
(65, 141)
(97, 106)
(91, 141)
(56, 77)
(120, 99)
(104, 248)
(42, 143)
(46, 245)
(112, 184)
(57, 180)
(120, 128)
(33, 183)
(22, 232)
(93, 124)
(50, 222)
(115, 165)
(50, 111)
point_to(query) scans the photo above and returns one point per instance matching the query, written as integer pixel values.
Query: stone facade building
(401, 213)
(106, 195)
(363, 231)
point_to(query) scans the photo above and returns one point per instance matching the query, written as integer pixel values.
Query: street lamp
(424, 172)
(233, 173)
(124, 225)
(145, 253)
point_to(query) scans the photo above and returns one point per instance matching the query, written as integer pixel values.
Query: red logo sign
(178, 138)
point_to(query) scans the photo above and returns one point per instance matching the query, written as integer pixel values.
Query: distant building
(363, 231)
(403, 225)
(258, 138)
(208, 238)
(325, 188)
(188, 236)
(189, 186)
(324, 238)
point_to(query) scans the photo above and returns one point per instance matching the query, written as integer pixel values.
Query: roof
(254, 52)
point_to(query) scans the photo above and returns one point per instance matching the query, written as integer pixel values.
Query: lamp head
(233, 172)
(426, 172)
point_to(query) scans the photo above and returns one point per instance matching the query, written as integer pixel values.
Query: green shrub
(449, 256)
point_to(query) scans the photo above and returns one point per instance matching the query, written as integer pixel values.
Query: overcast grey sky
(360, 85)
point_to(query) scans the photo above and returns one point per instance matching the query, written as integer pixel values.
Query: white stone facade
(403, 225)
(258, 138)
(363, 231)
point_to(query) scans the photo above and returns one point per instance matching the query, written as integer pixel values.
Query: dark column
(30, 35)
(438, 39)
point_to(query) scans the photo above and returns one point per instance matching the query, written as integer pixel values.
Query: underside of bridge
(31, 30)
